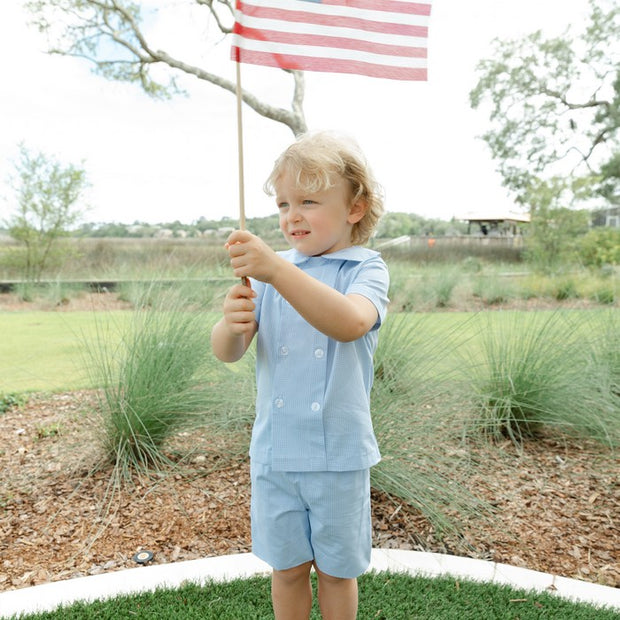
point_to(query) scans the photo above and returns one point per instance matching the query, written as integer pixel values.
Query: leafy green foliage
(554, 230)
(600, 246)
(394, 224)
(553, 105)
(10, 400)
(47, 195)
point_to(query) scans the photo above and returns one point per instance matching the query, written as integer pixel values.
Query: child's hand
(250, 256)
(239, 309)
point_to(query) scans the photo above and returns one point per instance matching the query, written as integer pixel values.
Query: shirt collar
(354, 253)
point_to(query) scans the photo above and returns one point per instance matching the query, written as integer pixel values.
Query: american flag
(377, 38)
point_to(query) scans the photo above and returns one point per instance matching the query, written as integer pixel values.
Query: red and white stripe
(380, 38)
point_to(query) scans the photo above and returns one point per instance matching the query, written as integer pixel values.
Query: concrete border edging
(49, 596)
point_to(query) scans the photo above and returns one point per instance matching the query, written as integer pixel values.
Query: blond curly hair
(317, 160)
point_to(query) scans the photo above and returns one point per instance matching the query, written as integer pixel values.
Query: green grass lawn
(382, 596)
(46, 351)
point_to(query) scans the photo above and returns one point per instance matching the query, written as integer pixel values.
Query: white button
(279, 403)
(315, 406)
(319, 353)
(283, 350)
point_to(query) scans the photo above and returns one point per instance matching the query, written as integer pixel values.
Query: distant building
(496, 223)
(609, 217)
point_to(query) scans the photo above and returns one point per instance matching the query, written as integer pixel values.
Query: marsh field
(496, 405)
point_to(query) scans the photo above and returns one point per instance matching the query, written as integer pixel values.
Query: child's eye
(309, 202)
(282, 205)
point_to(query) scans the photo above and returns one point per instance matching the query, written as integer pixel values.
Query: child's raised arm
(342, 317)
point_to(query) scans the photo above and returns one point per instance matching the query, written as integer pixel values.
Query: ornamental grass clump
(160, 380)
(601, 331)
(535, 372)
(440, 287)
(413, 409)
(493, 290)
(607, 351)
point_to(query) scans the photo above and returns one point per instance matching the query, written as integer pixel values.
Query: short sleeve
(372, 280)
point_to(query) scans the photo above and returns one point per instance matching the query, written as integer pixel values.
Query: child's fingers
(239, 299)
(239, 322)
(243, 289)
(237, 236)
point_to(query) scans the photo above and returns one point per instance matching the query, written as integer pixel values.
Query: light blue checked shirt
(313, 392)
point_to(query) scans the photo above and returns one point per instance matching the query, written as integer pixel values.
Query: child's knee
(292, 575)
(330, 580)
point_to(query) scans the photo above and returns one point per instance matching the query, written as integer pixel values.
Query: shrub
(602, 335)
(535, 373)
(160, 380)
(493, 290)
(60, 293)
(600, 246)
(411, 405)
(436, 287)
(604, 295)
(197, 293)
(25, 291)
(565, 288)
(471, 264)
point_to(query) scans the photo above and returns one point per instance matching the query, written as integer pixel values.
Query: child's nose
(294, 214)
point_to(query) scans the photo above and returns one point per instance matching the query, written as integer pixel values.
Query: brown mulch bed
(558, 504)
(557, 500)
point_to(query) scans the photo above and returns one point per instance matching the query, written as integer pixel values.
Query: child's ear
(357, 211)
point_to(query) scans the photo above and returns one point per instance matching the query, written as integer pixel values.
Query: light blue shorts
(299, 517)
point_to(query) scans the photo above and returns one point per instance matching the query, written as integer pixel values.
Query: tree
(555, 106)
(47, 196)
(554, 230)
(116, 35)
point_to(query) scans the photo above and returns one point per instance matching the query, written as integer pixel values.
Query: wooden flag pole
(244, 280)
(240, 151)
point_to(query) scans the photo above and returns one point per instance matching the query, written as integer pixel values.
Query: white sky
(163, 161)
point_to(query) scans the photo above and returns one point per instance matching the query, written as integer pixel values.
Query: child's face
(316, 223)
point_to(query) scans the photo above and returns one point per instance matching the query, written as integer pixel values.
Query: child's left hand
(251, 257)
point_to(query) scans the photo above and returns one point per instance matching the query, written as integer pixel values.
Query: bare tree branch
(89, 23)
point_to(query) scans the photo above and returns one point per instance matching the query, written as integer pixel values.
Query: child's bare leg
(291, 593)
(337, 597)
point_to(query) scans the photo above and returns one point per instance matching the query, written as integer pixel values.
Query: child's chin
(300, 243)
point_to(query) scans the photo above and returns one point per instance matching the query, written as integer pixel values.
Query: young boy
(316, 310)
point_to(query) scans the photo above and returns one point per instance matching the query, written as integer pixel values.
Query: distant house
(609, 217)
(495, 223)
